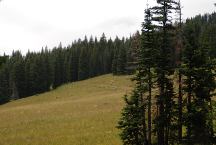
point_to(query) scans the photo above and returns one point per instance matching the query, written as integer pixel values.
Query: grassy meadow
(80, 113)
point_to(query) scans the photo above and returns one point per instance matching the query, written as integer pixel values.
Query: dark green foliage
(34, 73)
(119, 59)
(83, 72)
(164, 69)
(133, 45)
(165, 49)
(199, 70)
(131, 121)
(134, 113)
(147, 64)
(4, 80)
(4, 85)
(3, 60)
(17, 75)
(58, 66)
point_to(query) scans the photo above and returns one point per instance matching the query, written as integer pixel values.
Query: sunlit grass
(81, 113)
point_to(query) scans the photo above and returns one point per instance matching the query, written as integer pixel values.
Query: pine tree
(121, 60)
(109, 55)
(138, 102)
(146, 59)
(3, 60)
(163, 19)
(200, 84)
(188, 71)
(4, 84)
(74, 63)
(117, 44)
(132, 121)
(28, 79)
(58, 66)
(83, 72)
(133, 45)
(17, 75)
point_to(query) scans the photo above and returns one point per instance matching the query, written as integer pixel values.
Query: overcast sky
(32, 24)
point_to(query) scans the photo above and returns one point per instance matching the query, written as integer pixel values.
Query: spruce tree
(200, 85)
(121, 60)
(17, 75)
(163, 18)
(133, 46)
(3, 60)
(137, 105)
(147, 55)
(132, 121)
(4, 84)
(83, 72)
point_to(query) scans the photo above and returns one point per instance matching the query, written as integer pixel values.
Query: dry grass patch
(81, 113)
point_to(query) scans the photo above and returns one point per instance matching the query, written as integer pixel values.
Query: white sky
(32, 24)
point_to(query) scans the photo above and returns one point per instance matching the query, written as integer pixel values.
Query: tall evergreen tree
(83, 72)
(200, 83)
(163, 18)
(138, 102)
(4, 84)
(147, 56)
(17, 75)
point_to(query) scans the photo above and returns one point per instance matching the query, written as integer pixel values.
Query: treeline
(172, 101)
(23, 76)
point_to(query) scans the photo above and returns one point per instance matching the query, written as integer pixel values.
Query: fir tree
(162, 16)
(200, 84)
(138, 102)
(132, 121)
(83, 72)
(4, 84)
(146, 59)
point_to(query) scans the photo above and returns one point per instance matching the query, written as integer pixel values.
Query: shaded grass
(81, 113)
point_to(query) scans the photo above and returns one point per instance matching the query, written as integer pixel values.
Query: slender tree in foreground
(147, 57)
(140, 101)
(165, 99)
(133, 119)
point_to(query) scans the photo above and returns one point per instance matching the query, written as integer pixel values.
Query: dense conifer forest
(37, 72)
(173, 99)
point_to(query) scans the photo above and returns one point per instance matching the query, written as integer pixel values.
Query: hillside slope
(81, 113)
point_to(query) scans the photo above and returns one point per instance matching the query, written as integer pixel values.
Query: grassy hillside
(81, 113)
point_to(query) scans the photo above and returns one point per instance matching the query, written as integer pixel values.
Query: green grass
(81, 113)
